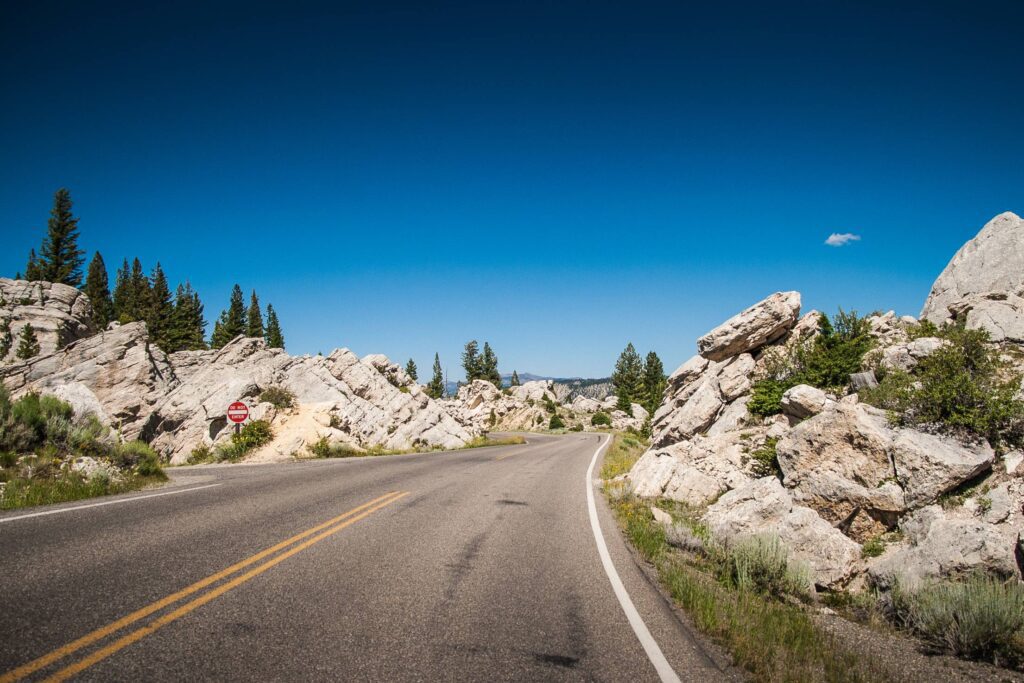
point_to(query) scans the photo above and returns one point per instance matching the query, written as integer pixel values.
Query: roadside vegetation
(250, 437)
(50, 455)
(964, 388)
(749, 597)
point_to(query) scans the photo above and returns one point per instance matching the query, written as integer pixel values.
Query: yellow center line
(100, 633)
(138, 634)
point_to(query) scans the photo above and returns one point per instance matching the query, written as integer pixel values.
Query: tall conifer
(60, 259)
(255, 317)
(97, 288)
(273, 335)
(436, 387)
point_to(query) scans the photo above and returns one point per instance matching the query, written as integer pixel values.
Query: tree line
(638, 381)
(175, 321)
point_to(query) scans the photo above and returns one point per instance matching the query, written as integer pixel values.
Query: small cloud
(838, 239)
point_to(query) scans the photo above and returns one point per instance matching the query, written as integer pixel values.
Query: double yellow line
(308, 538)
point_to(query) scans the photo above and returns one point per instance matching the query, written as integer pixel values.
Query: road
(471, 565)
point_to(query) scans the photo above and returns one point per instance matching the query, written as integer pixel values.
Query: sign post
(238, 413)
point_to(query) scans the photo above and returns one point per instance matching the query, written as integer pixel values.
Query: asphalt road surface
(477, 565)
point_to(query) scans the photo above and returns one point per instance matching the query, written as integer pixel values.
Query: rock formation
(984, 283)
(178, 402)
(845, 473)
(58, 314)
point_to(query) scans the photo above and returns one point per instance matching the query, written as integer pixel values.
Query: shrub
(279, 397)
(555, 423)
(761, 564)
(765, 458)
(964, 387)
(923, 328)
(980, 618)
(134, 454)
(253, 435)
(766, 397)
(200, 454)
(873, 547)
(601, 419)
(322, 448)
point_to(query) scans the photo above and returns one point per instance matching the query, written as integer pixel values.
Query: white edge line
(654, 653)
(106, 502)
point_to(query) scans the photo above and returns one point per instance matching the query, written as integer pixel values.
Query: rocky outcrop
(803, 401)
(58, 314)
(983, 285)
(117, 375)
(179, 402)
(906, 355)
(928, 466)
(761, 324)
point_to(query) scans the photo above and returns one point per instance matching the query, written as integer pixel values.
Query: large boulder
(928, 466)
(803, 401)
(838, 463)
(59, 314)
(761, 324)
(941, 544)
(983, 285)
(697, 413)
(906, 355)
(764, 506)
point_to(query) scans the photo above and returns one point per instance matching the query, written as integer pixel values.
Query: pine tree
(654, 382)
(255, 318)
(236, 321)
(131, 293)
(121, 291)
(274, 336)
(489, 366)
(97, 288)
(188, 325)
(410, 369)
(6, 339)
(28, 344)
(628, 378)
(471, 361)
(60, 259)
(219, 338)
(32, 270)
(515, 379)
(436, 387)
(160, 311)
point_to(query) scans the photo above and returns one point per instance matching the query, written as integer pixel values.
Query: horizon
(556, 181)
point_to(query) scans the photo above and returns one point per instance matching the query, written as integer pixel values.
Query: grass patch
(19, 493)
(621, 455)
(324, 449)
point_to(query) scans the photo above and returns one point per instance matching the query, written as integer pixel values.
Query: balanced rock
(761, 324)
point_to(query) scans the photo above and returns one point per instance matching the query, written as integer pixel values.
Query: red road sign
(238, 412)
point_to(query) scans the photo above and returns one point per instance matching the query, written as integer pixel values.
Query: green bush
(980, 618)
(964, 387)
(761, 564)
(765, 460)
(250, 437)
(601, 419)
(576, 428)
(138, 455)
(826, 362)
(555, 423)
(279, 397)
(200, 454)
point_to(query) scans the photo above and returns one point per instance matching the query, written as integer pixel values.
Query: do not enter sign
(238, 412)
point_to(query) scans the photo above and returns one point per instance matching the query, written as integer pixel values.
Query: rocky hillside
(58, 314)
(855, 495)
(178, 402)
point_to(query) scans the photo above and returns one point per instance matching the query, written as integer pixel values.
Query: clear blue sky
(557, 178)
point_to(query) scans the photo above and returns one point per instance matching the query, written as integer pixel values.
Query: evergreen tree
(219, 338)
(159, 313)
(60, 259)
(410, 369)
(188, 326)
(489, 366)
(6, 339)
(131, 293)
(32, 270)
(121, 288)
(97, 288)
(471, 361)
(436, 387)
(255, 317)
(234, 321)
(654, 382)
(515, 379)
(628, 379)
(274, 336)
(28, 345)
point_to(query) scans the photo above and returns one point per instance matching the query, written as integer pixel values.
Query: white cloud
(838, 239)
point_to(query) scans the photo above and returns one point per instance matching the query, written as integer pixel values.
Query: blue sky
(556, 178)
